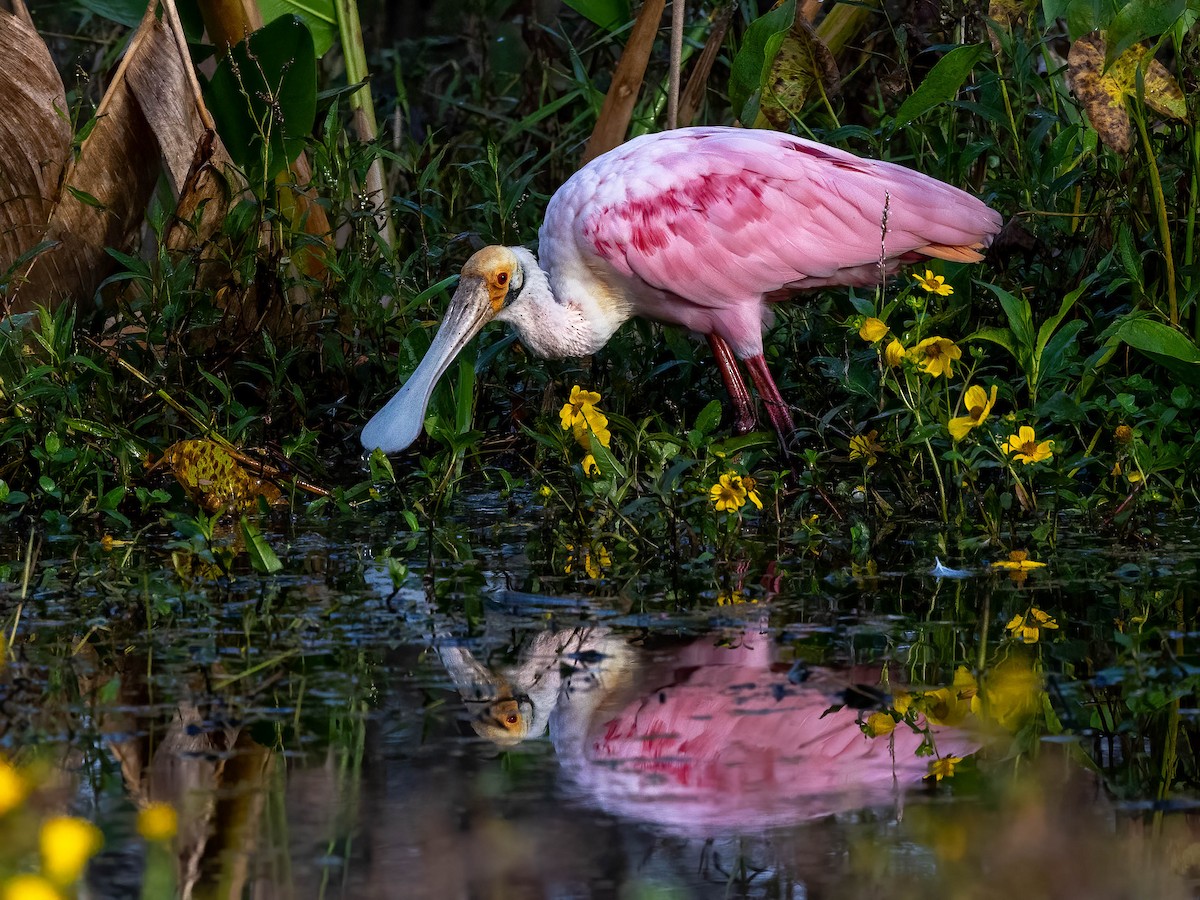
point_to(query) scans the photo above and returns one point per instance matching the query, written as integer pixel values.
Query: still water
(451, 715)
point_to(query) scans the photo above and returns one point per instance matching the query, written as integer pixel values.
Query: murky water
(479, 724)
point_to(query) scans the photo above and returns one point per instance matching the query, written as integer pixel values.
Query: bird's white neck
(573, 315)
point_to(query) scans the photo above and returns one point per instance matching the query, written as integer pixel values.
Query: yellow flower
(978, 405)
(732, 598)
(589, 465)
(934, 284)
(158, 822)
(544, 491)
(1134, 477)
(879, 724)
(1024, 447)
(579, 415)
(1011, 694)
(595, 560)
(935, 356)
(864, 446)
(893, 354)
(731, 492)
(1029, 626)
(950, 705)
(1018, 559)
(29, 887)
(872, 330)
(943, 768)
(751, 493)
(66, 845)
(1123, 434)
(13, 787)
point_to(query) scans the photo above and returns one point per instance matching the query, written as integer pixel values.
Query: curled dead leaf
(803, 65)
(1103, 92)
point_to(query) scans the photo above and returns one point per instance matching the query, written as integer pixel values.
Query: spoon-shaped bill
(399, 423)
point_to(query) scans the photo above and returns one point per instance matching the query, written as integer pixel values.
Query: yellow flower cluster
(580, 416)
(732, 490)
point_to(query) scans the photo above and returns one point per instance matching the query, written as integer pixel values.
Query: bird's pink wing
(722, 215)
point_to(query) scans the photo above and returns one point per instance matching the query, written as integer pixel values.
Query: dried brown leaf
(803, 66)
(1102, 98)
(1103, 93)
(35, 138)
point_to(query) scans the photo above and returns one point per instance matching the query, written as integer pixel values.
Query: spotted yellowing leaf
(803, 66)
(1103, 92)
(214, 479)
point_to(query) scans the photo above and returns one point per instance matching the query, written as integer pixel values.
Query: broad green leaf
(942, 83)
(319, 15)
(1002, 336)
(1138, 20)
(752, 64)
(263, 96)
(608, 14)
(1019, 318)
(1055, 320)
(262, 557)
(1158, 338)
(709, 418)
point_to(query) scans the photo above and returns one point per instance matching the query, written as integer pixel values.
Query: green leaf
(608, 14)
(1138, 20)
(752, 64)
(1158, 338)
(1002, 336)
(941, 84)
(1053, 322)
(276, 63)
(319, 15)
(262, 557)
(1020, 320)
(709, 418)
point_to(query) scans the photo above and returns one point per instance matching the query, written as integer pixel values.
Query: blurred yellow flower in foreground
(878, 724)
(936, 355)
(29, 887)
(934, 284)
(943, 768)
(158, 822)
(1011, 694)
(978, 404)
(1029, 626)
(66, 844)
(872, 330)
(13, 787)
(950, 705)
(1024, 447)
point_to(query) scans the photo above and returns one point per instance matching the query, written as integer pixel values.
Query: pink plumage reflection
(708, 736)
(700, 227)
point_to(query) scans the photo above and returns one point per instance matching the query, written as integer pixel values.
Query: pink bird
(700, 227)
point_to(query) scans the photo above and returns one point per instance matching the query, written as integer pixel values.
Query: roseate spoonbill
(700, 227)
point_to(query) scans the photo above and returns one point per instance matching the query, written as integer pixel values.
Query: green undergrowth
(1054, 386)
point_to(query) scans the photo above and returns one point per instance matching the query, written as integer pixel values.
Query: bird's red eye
(512, 719)
(502, 279)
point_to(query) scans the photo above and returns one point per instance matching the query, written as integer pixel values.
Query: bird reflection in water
(712, 733)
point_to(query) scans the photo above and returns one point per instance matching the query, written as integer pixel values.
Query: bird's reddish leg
(743, 408)
(777, 409)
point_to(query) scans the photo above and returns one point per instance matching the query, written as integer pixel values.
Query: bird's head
(505, 721)
(491, 281)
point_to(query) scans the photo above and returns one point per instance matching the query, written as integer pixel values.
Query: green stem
(1160, 207)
